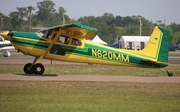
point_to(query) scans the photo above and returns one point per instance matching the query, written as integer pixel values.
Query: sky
(168, 11)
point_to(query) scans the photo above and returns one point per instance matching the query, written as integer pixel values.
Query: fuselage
(86, 52)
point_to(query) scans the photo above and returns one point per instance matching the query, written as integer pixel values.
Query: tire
(27, 68)
(38, 68)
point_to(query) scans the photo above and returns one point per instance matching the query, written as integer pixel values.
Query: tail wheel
(38, 68)
(28, 69)
(170, 74)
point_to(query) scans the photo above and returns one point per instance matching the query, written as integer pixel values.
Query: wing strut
(50, 46)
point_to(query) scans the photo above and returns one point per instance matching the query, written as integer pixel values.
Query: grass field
(65, 96)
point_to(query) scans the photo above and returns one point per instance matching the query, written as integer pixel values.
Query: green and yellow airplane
(70, 43)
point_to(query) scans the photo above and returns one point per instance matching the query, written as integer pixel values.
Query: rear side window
(76, 42)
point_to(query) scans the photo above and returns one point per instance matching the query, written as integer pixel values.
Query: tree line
(109, 26)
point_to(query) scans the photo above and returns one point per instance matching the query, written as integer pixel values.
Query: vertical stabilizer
(157, 47)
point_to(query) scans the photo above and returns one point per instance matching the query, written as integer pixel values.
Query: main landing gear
(37, 68)
(32, 68)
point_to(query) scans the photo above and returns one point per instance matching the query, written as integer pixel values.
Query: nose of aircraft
(5, 35)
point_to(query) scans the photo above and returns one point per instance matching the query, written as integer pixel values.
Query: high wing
(76, 30)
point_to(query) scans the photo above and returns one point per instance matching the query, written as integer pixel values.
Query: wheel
(38, 68)
(28, 69)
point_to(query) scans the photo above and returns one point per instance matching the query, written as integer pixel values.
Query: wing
(75, 30)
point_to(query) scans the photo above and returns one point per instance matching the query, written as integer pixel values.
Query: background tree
(30, 9)
(22, 12)
(47, 5)
(109, 26)
(61, 10)
(16, 21)
(45, 12)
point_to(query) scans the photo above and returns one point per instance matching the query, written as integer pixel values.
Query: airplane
(5, 45)
(70, 43)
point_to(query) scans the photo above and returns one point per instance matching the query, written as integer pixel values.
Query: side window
(76, 42)
(63, 39)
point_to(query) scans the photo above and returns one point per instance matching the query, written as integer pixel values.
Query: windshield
(44, 33)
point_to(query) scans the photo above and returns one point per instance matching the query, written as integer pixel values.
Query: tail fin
(157, 47)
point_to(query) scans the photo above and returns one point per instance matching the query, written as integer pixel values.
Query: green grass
(79, 69)
(77, 96)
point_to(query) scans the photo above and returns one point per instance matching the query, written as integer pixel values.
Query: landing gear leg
(31, 68)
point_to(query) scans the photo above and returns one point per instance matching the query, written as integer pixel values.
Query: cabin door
(57, 49)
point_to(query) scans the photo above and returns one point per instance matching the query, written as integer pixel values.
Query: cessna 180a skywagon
(69, 43)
